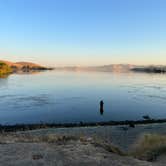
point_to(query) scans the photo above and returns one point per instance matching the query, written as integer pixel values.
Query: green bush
(4, 69)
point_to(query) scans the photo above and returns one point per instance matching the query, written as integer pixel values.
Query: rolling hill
(23, 66)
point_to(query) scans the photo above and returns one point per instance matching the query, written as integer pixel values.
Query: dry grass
(27, 138)
(107, 146)
(149, 147)
(57, 139)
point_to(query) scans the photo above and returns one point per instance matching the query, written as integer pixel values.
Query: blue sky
(83, 32)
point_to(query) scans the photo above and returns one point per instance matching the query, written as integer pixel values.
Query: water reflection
(3, 76)
(3, 80)
(25, 72)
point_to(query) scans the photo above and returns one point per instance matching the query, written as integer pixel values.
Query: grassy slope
(20, 66)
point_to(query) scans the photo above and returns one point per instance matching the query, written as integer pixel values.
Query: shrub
(150, 146)
(4, 68)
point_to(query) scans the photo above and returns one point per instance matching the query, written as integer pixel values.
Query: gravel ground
(14, 152)
(70, 154)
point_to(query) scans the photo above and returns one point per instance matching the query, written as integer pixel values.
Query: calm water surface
(62, 97)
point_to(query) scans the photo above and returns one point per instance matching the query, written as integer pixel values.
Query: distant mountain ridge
(29, 66)
(104, 68)
(119, 68)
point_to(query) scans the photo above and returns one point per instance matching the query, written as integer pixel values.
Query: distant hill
(20, 64)
(150, 69)
(118, 68)
(105, 68)
(24, 66)
(28, 64)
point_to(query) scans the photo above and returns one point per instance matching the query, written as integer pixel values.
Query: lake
(64, 97)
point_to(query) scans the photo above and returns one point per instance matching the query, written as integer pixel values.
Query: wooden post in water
(101, 107)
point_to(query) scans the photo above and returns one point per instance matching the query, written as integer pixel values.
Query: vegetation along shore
(24, 127)
(7, 67)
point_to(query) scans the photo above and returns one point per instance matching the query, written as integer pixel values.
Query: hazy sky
(83, 32)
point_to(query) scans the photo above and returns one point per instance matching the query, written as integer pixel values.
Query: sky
(83, 32)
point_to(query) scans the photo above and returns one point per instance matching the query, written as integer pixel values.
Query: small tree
(4, 68)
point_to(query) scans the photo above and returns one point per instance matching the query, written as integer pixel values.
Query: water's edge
(24, 127)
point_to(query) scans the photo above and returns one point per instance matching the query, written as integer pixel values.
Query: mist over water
(63, 97)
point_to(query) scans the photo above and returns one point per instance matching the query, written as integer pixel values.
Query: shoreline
(34, 126)
(112, 142)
